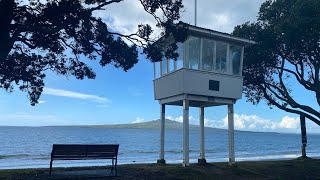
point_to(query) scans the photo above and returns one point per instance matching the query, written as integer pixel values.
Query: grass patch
(284, 169)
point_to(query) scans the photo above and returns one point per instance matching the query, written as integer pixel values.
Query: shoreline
(280, 169)
(96, 163)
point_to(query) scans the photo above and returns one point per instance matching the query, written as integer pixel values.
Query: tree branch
(132, 38)
(272, 101)
(316, 82)
(275, 93)
(299, 78)
(99, 7)
(25, 41)
(290, 100)
(154, 16)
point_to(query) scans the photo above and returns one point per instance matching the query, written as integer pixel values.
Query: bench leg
(115, 167)
(112, 169)
(50, 167)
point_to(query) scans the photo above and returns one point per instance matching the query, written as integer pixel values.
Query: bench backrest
(81, 151)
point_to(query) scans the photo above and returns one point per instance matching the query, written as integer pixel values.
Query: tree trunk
(6, 15)
(303, 137)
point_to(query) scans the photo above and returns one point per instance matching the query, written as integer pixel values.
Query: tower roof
(225, 37)
(210, 34)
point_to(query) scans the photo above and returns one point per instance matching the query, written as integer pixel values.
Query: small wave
(14, 156)
(41, 157)
(174, 151)
(181, 151)
(152, 152)
(147, 152)
(216, 150)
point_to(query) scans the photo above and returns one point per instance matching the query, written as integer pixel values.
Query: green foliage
(37, 36)
(287, 36)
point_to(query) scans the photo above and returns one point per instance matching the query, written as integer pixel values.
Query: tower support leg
(231, 134)
(202, 159)
(162, 131)
(185, 133)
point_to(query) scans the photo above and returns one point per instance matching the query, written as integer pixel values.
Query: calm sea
(25, 147)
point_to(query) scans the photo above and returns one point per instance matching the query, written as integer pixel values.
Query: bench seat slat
(84, 158)
(84, 151)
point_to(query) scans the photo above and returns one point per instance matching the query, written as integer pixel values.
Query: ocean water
(27, 147)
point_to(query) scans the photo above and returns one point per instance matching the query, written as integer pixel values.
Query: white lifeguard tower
(208, 72)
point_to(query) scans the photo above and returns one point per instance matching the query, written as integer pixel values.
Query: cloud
(75, 95)
(41, 102)
(192, 120)
(221, 15)
(290, 122)
(218, 15)
(208, 123)
(126, 20)
(170, 118)
(249, 123)
(256, 123)
(221, 19)
(138, 120)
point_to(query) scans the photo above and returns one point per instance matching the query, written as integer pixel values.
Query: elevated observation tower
(208, 72)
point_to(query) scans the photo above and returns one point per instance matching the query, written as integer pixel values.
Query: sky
(117, 97)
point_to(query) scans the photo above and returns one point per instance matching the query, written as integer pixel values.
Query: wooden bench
(85, 152)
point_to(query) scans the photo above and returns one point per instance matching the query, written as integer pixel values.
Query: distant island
(155, 124)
